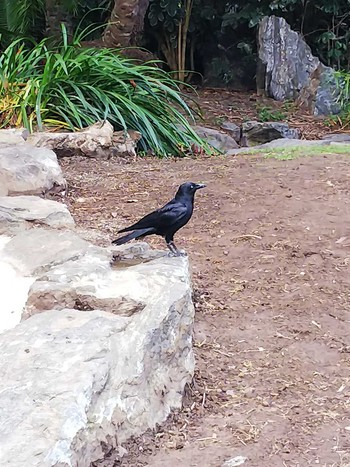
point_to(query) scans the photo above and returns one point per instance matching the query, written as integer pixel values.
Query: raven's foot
(174, 251)
(177, 253)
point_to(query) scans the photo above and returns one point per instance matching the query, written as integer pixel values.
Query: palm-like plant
(21, 16)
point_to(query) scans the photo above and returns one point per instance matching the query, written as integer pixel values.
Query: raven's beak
(199, 185)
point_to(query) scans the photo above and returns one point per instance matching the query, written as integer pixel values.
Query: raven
(167, 220)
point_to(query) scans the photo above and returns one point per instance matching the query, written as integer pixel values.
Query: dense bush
(225, 30)
(71, 86)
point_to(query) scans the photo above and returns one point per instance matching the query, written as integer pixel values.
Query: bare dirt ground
(218, 105)
(269, 244)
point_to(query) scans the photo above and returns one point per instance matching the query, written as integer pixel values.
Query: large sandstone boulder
(20, 212)
(95, 343)
(75, 383)
(25, 169)
(288, 70)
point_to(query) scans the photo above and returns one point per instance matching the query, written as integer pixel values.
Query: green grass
(267, 114)
(68, 86)
(301, 151)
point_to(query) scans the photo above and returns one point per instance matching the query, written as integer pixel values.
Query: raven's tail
(130, 236)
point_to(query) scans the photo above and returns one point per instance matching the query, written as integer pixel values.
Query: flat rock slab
(73, 383)
(337, 137)
(48, 248)
(26, 210)
(25, 169)
(285, 143)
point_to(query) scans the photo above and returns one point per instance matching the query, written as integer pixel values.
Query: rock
(14, 288)
(48, 249)
(90, 282)
(18, 210)
(28, 170)
(219, 140)
(137, 251)
(234, 461)
(125, 145)
(233, 129)
(3, 187)
(73, 383)
(284, 143)
(288, 70)
(254, 133)
(337, 137)
(13, 136)
(96, 140)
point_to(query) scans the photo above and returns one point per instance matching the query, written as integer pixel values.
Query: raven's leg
(172, 247)
(169, 238)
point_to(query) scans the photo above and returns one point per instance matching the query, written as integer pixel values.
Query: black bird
(167, 220)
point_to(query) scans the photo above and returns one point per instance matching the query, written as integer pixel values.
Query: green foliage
(343, 85)
(73, 87)
(223, 70)
(166, 20)
(325, 23)
(24, 18)
(268, 114)
(290, 153)
(229, 26)
(20, 16)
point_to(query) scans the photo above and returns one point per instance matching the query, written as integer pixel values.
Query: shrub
(70, 86)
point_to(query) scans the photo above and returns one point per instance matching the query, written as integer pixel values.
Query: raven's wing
(168, 215)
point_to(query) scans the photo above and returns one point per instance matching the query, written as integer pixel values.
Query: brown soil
(269, 246)
(269, 243)
(220, 105)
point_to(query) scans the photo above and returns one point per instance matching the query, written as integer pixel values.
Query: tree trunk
(55, 15)
(126, 23)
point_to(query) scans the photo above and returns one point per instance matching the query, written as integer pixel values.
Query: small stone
(234, 461)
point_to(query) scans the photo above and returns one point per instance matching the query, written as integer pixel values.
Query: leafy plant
(20, 16)
(173, 20)
(343, 88)
(73, 87)
(268, 114)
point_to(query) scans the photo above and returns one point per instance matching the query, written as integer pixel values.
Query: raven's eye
(191, 187)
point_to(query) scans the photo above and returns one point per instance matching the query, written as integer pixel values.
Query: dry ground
(269, 244)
